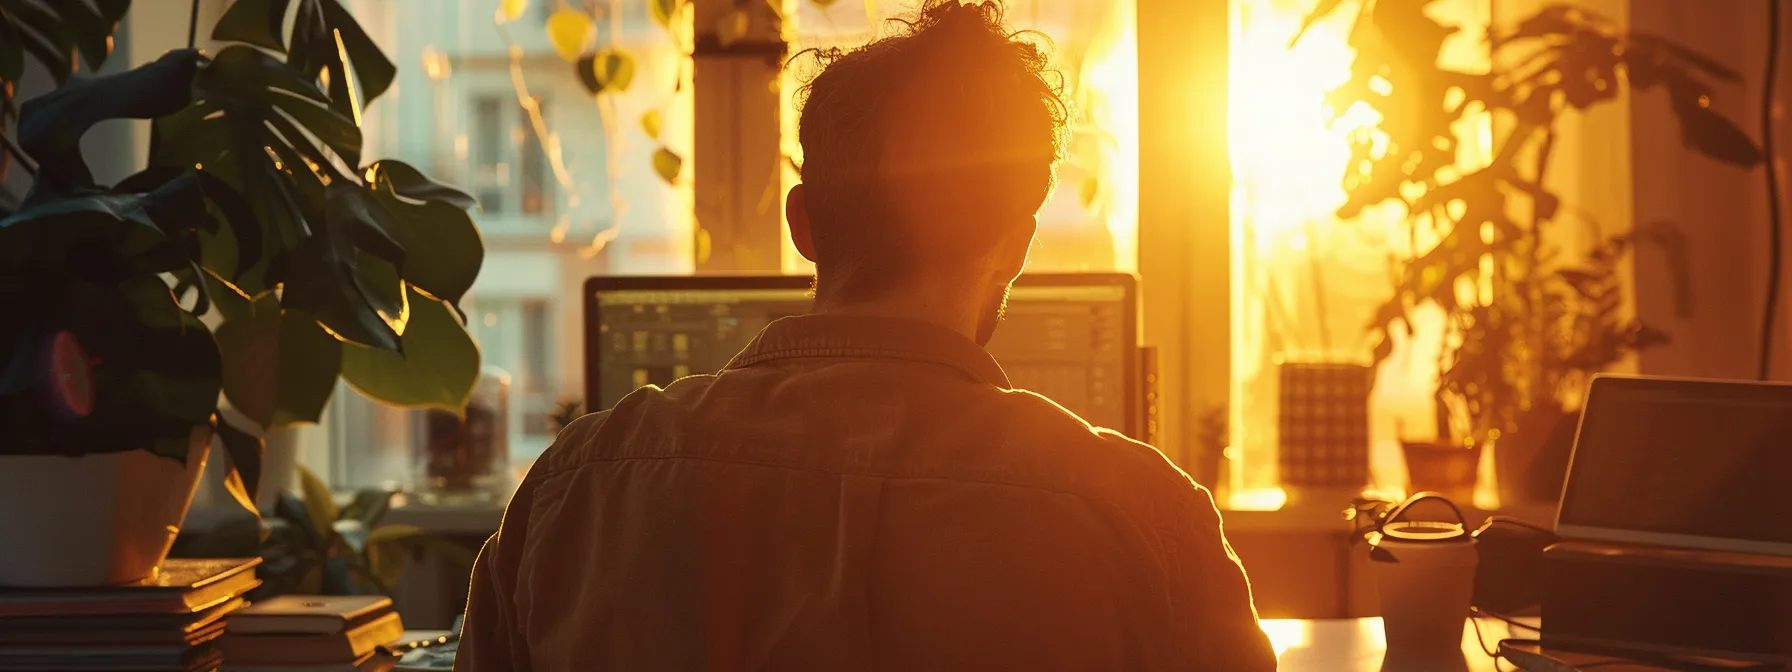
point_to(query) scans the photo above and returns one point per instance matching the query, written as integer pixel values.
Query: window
(491, 172)
(565, 183)
(572, 184)
(1304, 282)
(509, 162)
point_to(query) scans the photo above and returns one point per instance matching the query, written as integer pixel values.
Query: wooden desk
(1357, 645)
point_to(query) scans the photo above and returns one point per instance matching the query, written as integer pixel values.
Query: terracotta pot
(94, 520)
(1445, 468)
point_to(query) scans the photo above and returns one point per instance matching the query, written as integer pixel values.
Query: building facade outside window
(568, 186)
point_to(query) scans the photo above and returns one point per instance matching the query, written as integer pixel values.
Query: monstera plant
(256, 258)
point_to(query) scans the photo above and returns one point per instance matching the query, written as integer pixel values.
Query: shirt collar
(871, 338)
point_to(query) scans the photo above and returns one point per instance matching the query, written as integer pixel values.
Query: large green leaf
(12, 54)
(42, 32)
(51, 125)
(443, 247)
(232, 134)
(410, 183)
(232, 239)
(437, 368)
(314, 48)
(259, 90)
(279, 365)
(359, 297)
(241, 73)
(104, 235)
(257, 22)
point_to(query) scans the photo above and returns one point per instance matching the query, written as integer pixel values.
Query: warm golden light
(1111, 92)
(1303, 282)
(1285, 634)
(1288, 161)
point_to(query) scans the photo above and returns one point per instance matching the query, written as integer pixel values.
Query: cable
(1773, 187)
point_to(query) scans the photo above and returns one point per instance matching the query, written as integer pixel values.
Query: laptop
(1696, 464)
(1072, 337)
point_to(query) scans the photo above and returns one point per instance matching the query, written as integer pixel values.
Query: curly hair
(953, 114)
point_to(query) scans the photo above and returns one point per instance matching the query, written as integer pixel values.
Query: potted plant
(254, 260)
(1509, 365)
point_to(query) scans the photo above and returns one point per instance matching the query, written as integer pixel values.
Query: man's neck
(959, 313)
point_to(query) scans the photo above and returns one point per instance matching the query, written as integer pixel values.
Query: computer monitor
(1685, 463)
(1071, 337)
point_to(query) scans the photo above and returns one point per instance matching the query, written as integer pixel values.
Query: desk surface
(1357, 645)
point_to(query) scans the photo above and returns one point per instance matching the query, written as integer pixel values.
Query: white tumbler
(1425, 575)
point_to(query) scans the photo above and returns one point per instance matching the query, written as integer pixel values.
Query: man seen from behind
(860, 488)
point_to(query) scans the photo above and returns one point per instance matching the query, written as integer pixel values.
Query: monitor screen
(1072, 338)
(1697, 464)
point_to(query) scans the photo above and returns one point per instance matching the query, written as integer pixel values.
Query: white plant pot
(93, 520)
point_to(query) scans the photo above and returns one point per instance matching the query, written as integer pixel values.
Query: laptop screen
(1697, 464)
(1070, 337)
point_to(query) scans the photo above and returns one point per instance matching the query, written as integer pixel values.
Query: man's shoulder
(579, 441)
(1095, 456)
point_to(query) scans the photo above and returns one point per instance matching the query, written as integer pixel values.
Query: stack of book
(311, 633)
(169, 621)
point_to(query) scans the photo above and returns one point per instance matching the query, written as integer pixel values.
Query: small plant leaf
(320, 503)
(663, 11)
(650, 123)
(567, 31)
(614, 70)
(667, 164)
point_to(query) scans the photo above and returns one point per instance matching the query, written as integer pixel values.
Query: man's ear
(796, 211)
(1015, 246)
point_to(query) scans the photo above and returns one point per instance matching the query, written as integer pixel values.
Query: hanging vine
(607, 72)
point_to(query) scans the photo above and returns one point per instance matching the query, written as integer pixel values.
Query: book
(342, 647)
(81, 658)
(308, 614)
(10, 641)
(179, 586)
(117, 628)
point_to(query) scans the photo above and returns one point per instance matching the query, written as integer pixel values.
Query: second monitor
(1070, 337)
